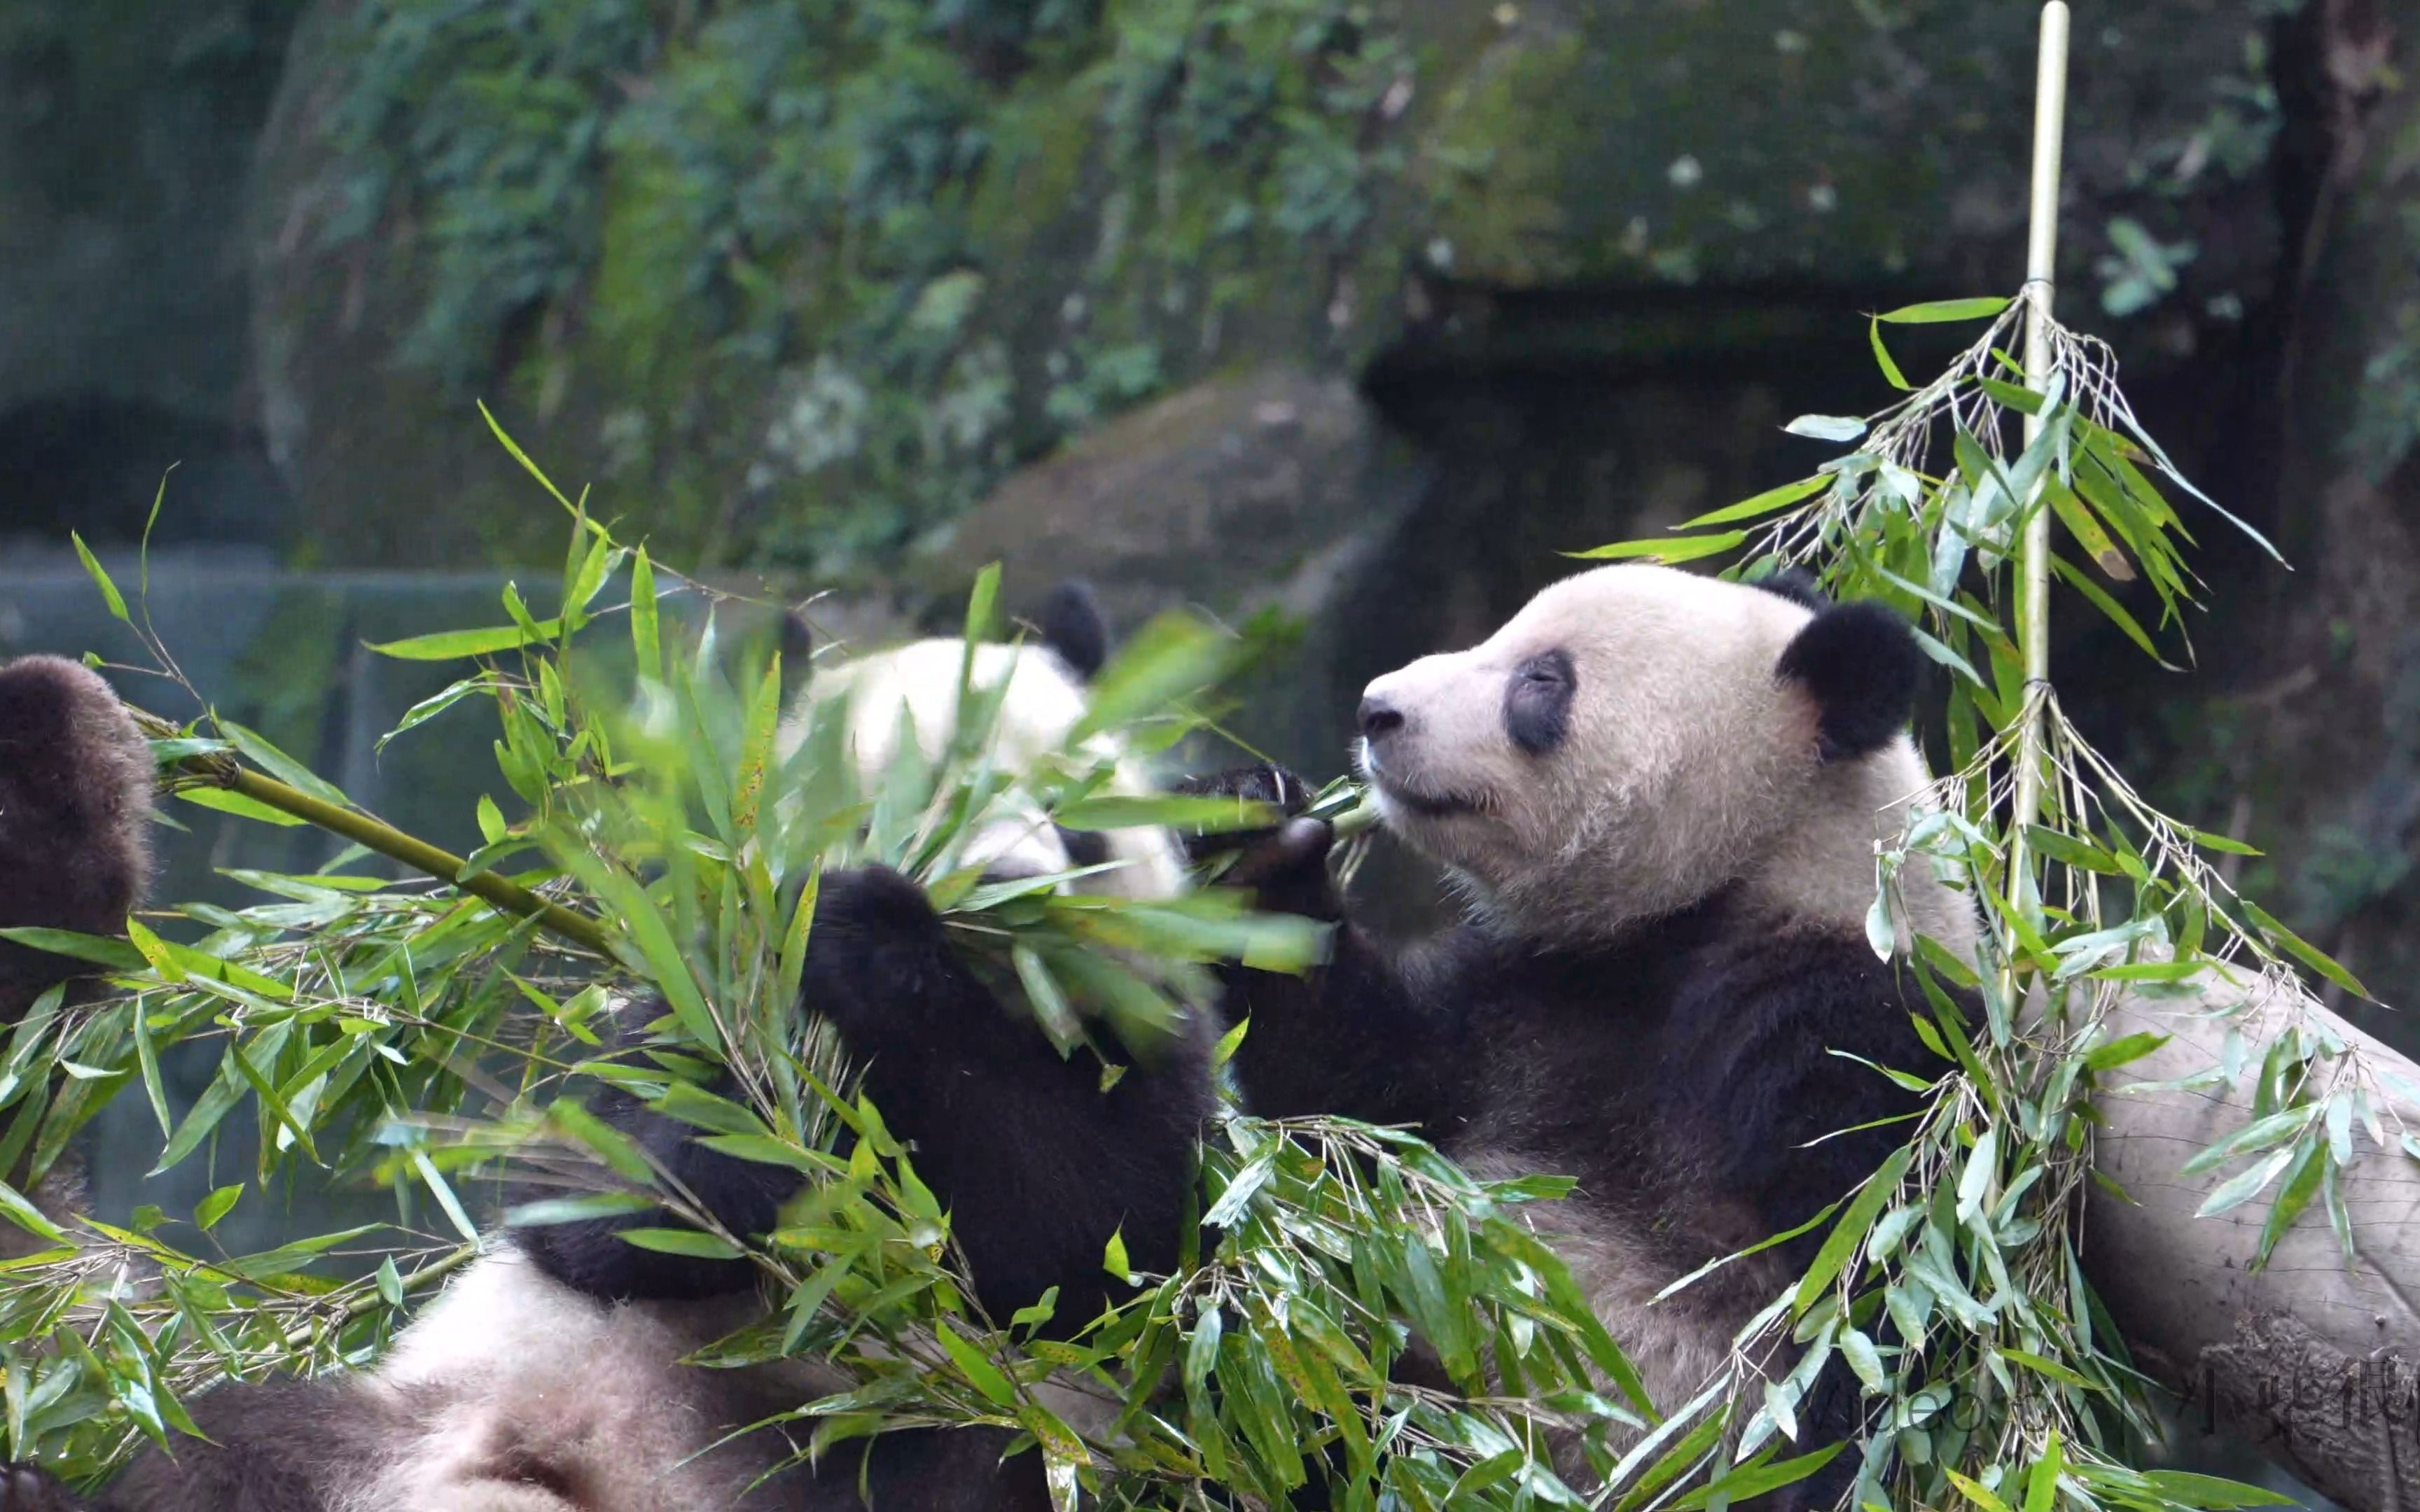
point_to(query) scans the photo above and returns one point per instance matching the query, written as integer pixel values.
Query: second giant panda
(548, 1377)
(1661, 795)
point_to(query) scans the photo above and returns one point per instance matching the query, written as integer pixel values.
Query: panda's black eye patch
(1538, 702)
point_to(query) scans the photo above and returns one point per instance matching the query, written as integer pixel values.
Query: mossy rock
(1791, 142)
(1234, 494)
(803, 290)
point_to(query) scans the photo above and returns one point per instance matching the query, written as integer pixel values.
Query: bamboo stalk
(419, 855)
(222, 771)
(2041, 269)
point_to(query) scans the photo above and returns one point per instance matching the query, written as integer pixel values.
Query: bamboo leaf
(224, 801)
(117, 955)
(2303, 951)
(2243, 1187)
(975, 1366)
(1939, 312)
(1758, 505)
(1846, 1235)
(2302, 1183)
(1827, 427)
(1685, 549)
(1201, 815)
(109, 593)
(2110, 610)
(257, 749)
(1982, 1170)
(687, 1242)
(2189, 1489)
(2257, 1135)
(2043, 1484)
(645, 635)
(1891, 374)
(496, 428)
(2116, 1053)
(216, 1206)
(451, 645)
(1976, 1492)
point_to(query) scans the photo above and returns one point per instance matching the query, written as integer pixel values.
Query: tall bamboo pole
(2033, 556)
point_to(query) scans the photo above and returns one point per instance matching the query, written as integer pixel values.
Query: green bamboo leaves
(1951, 1285)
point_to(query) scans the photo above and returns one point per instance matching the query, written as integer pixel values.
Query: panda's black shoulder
(1781, 1037)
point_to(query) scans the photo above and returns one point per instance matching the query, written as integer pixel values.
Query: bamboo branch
(222, 771)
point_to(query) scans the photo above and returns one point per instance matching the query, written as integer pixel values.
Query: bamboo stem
(419, 855)
(2041, 269)
(222, 771)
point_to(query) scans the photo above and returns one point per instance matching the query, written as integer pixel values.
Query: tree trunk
(2313, 1360)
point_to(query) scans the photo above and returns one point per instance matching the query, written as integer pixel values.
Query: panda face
(1636, 738)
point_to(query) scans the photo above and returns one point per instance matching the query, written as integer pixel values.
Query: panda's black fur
(1035, 1163)
(1681, 1059)
(75, 795)
(75, 806)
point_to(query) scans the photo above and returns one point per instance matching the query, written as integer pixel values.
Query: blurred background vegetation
(1364, 308)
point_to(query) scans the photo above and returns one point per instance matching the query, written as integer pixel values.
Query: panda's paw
(872, 901)
(1286, 863)
(1264, 783)
(31, 1489)
(875, 945)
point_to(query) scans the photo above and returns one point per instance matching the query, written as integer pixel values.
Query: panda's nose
(1379, 717)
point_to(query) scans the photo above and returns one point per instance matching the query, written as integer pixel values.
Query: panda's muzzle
(1384, 729)
(1426, 805)
(1391, 788)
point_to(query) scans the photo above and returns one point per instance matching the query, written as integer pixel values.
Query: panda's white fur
(1671, 802)
(1042, 707)
(513, 1392)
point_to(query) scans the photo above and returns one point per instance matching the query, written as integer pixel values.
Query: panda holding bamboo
(1660, 795)
(548, 1377)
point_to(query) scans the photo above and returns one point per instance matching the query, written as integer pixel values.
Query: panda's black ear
(1072, 624)
(1795, 584)
(1860, 662)
(797, 651)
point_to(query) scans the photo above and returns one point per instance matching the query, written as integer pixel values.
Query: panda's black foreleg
(1038, 1164)
(1352, 1037)
(590, 1255)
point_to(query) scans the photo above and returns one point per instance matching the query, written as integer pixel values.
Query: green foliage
(870, 254)
(1972, 1246)
(479, 125)
(429, 1037)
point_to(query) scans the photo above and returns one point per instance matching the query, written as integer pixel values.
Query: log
(2312, 1360)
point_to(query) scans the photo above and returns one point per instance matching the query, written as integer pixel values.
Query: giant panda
(1660, 795)
(547, 1378)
